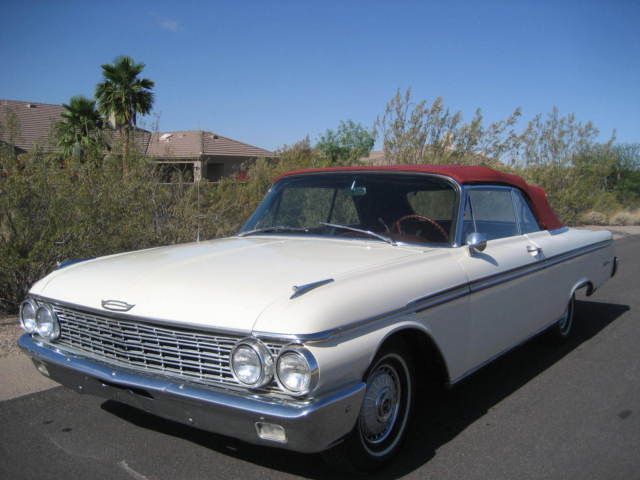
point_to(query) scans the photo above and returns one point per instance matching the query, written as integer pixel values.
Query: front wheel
(384, 414)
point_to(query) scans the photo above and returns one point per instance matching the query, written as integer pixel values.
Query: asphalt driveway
(539, 412)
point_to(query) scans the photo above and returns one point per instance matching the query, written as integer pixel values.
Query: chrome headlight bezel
(29, 327)
(46, 316)
(312, 369)
(265, 362)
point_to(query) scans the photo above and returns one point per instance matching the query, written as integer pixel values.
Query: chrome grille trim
(196, 356)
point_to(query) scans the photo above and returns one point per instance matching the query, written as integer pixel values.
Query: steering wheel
(438, 227)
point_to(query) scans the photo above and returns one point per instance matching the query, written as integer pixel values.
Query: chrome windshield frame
(456, 223)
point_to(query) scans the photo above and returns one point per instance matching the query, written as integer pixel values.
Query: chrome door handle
(533, 250)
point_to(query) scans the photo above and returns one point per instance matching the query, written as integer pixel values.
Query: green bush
(53, 210)
(50, 212)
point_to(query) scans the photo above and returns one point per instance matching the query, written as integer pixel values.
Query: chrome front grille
(194, 355)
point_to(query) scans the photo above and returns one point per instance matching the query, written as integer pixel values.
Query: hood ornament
(117, 305)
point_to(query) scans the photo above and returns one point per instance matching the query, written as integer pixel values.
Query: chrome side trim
(562, 257)
(330, 333)
(502, 277)
(413, 307)
(299, 290)
(438, 298)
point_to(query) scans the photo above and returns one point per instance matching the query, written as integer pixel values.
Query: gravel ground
(9, 332)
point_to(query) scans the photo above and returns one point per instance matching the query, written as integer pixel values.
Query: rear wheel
(384, 414)
(561, 330)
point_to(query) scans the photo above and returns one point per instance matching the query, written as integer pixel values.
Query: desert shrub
(572, 191)
(53, 209)
(555, 151)
(593, 218)
(621, 218)
(625, 217)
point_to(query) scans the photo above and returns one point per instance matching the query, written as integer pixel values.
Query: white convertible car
(310, 328)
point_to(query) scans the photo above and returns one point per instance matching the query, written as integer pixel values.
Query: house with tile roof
(198, 153)
(213, 156)
(27, 125)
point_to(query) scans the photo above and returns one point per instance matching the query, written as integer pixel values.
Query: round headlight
(28, 316)
(251, 363)
(47, 325)
(297, 370)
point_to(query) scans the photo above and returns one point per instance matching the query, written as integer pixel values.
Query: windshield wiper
(384, 238)
(276, 228)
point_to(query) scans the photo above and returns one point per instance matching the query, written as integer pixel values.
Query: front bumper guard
(310, 426)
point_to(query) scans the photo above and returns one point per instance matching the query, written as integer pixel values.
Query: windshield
(377, 206)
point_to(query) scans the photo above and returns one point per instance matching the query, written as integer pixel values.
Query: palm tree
(80, 128)
(122, 96)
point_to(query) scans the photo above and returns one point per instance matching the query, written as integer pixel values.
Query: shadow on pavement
(449, 413)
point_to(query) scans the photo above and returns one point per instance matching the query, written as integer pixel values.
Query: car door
(558, 279)
(504, 282)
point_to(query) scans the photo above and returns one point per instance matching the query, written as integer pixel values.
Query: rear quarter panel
(592, 252)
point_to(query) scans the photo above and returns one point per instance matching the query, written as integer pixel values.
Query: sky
(270, 73)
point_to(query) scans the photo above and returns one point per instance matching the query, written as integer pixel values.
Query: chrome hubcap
(381, 404)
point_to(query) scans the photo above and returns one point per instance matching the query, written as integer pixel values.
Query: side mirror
(477, 242)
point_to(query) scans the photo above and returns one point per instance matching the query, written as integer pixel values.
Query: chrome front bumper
(310, 426)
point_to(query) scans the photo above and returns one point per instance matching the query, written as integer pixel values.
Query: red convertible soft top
(467, 175)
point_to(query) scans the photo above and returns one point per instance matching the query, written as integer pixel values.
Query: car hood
(222, 283)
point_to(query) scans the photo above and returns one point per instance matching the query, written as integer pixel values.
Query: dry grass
(593, 218)
(621, 218)
(625, 217)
